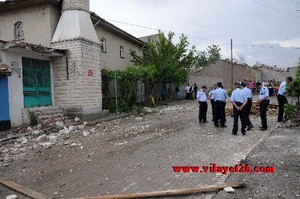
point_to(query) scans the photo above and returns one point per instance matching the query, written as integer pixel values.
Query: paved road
(126, 156)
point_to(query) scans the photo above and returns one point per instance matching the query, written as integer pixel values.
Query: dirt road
(134, 154)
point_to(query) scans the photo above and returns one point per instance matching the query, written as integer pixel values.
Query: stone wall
(81, 91)
(221, 71)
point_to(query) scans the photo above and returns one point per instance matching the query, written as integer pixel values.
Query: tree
(294, 87)
(211, 55)
(164, 61)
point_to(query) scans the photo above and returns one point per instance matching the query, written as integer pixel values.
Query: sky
(267, 31)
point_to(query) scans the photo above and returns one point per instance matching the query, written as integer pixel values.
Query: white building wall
(111, 58)
(13, 58)
(39, 23)
(80, 91)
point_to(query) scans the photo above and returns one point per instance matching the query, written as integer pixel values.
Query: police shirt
(220, 95)
(264, 92)
(238, 95)
(211, 94)
(282, 88)
(248, 93)
(201, 96)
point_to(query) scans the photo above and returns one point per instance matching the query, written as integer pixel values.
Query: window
(19, 30)
(103, 45)
(121, 51)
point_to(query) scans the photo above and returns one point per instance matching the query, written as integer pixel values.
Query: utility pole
(231, 62)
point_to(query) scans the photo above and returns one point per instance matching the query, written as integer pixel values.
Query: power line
(277, 44)
(278, 10)
(197, 37)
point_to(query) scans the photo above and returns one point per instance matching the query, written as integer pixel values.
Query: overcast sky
(267, 31)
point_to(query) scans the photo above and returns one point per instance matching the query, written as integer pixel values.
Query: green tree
(211, 55)
(164, 61)
(294, 87)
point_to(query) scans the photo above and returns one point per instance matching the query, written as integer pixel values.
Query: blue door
(4, 104)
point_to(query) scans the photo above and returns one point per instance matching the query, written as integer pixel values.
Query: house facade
(55, 51)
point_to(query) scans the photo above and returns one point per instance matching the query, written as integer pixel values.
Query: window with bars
(19, 30)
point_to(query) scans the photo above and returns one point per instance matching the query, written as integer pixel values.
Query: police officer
(202, 100)
(212, 101)
(220, 96)
(248, 93)
(239, 102)
(264, 101)
(281, 97)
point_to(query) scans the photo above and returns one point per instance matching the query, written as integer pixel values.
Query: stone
(39, 126)
(53, 138)
(29, 129)
(76, 119)
(229, 189)
(23, 150)
(41, 138)
(138, 119)
(80, 127)
(86, 133)
(72, 128)
(59, 124)
(5, 151)
(7, 158)
(73, 145)
(147, 126)
(84, 123)
(81, 147)
(46, 145)
(14, 196)
(23, 140)
(6, 164)
(93, 130)
(15, 151)
(36, 132)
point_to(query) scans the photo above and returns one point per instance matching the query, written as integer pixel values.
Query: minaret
(75, 22)
(77, 77)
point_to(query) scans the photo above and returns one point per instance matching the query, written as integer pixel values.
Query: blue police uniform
(282, 100)
(202, 99)
(220, 96)
(248, 93)
(239, 97)
(212, 102)
(264, 93)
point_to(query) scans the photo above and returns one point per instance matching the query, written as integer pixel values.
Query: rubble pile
(36, 138)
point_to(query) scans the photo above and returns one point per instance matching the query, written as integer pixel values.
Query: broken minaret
(77, 76)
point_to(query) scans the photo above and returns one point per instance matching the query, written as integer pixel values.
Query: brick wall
(80, 91)
(76, 5)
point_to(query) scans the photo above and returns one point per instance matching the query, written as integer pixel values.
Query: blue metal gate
(4, 104)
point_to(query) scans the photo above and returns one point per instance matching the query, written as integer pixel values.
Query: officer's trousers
(281, 102)
(202, 111)
(236, 115)
(247, 113)
(263, 113)
(219, 112)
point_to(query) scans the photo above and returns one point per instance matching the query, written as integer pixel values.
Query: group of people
(241, 99)
(191, 92)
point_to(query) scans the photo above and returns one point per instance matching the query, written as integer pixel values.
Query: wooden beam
(175, 192)
(23, 190)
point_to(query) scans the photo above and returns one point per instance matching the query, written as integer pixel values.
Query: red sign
(90, 73)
